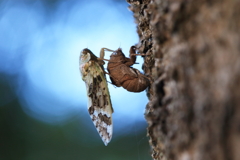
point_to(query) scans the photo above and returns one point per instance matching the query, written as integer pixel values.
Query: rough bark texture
(194, 102)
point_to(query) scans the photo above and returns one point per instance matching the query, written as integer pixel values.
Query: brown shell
(121, 74)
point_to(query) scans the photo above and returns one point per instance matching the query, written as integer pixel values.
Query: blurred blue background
(43, 103)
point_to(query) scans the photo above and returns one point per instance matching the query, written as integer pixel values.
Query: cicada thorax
(116, 67)
(121, 74)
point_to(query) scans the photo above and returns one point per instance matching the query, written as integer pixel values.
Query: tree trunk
(193, 56)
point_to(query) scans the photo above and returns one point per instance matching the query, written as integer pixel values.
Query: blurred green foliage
(24, 138)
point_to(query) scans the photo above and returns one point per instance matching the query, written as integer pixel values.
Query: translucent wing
(99, 102)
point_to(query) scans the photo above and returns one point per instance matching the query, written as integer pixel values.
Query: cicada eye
(115, 52)
(119, 52)
(85, 51)
(85, 55)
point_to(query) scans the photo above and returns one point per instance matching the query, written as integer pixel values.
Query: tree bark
(193, 56)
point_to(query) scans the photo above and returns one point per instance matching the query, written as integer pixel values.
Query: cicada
(121, 74)
(99, 102)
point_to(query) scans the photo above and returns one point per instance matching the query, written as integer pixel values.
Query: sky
(40, 48)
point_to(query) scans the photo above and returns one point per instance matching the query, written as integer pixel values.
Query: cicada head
(85, 56)
(117, 56)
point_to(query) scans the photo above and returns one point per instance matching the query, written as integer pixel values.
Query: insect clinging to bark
(122, 74)
(99, 102)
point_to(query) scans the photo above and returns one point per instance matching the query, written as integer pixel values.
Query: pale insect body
(99, 102)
